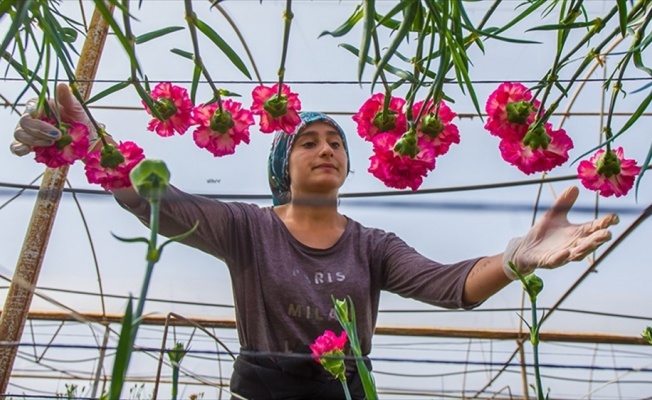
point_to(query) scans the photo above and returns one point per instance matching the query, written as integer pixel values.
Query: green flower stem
(175, 380)
(191, 18)
(534, 338)
(346, 389)
(287, 16)
(152, 258)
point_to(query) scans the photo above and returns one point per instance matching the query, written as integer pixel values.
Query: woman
(286, 261)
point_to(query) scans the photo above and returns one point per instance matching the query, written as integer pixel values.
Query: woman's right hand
(31, 131)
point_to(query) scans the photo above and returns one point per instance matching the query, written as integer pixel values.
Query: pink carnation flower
(530, 160)
(497, 123)
(285, 111)
(369, 113)
(617, 184)
(175, 107)
(118, 177)
(207, 136)
(449, 134)
(398, 171)
(72, 146)
(328, 343)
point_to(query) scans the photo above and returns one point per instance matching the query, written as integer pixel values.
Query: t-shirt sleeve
(408, 273)
(180, 211)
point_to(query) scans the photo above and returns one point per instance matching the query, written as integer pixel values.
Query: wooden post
(21, 290)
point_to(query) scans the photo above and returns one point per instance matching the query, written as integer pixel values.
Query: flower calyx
(65, 138)
(519, 111)
(385, 120)
(165, 107)
(221, 121)
(276, 106)
(608, 165)
(407, 144)
(432, 125)
(111, 157)
(537, 137)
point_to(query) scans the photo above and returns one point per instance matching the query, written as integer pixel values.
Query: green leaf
(529, 10)
(123, 354)
(630, 122)
(20, 19)
(640, 174)
(146, 37)
(622, 16)
(222, 45)
(113, 89)
(100, 5)
(395, 71)
(180, 237)
(196, 74)
(130, 240)
(399, 36)
(368, 26)
(557, 27)
(182, 53)
(68, 35)
(347, 25)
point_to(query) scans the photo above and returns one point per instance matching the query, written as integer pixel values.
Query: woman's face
(318, 161)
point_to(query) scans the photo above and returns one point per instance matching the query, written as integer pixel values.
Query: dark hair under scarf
(279, 155)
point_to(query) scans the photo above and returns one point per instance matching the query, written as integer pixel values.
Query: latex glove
(31, 131)
(553, 241)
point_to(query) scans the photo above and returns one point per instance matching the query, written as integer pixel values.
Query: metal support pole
(21, 291)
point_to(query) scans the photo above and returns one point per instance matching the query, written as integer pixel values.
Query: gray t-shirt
(283, 288)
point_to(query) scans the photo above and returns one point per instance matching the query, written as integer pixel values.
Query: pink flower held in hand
(220, 132)
(372, 121)
(509, 111)
(174, 105)
(437, 128)
(276, 113)
(72, 146)
(608, 172)
(110, 168)
(330, 345)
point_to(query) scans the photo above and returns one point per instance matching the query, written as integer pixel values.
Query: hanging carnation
(437, 128)
(397, 171)
(110, 166)
(608, 172)
(372, 120)
(174, 105)
(72, 146)
(530, 160)
(510, 111)
(276, 112)
(220, 132)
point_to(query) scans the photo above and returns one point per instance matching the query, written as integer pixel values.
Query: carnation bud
(385, 121)
(407, 145)
(431, 125)
(647, 334)
(518, 112)
(276, 106)
(111, 157)
(342, 309)
(221, 121)
(151, 179)
(533, 286)
(608, 165)
(165, 107)
(537, 137)
(333, 362)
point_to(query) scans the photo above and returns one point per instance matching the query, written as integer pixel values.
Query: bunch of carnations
(403, 152)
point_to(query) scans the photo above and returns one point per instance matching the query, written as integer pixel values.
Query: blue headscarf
(279, 155)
